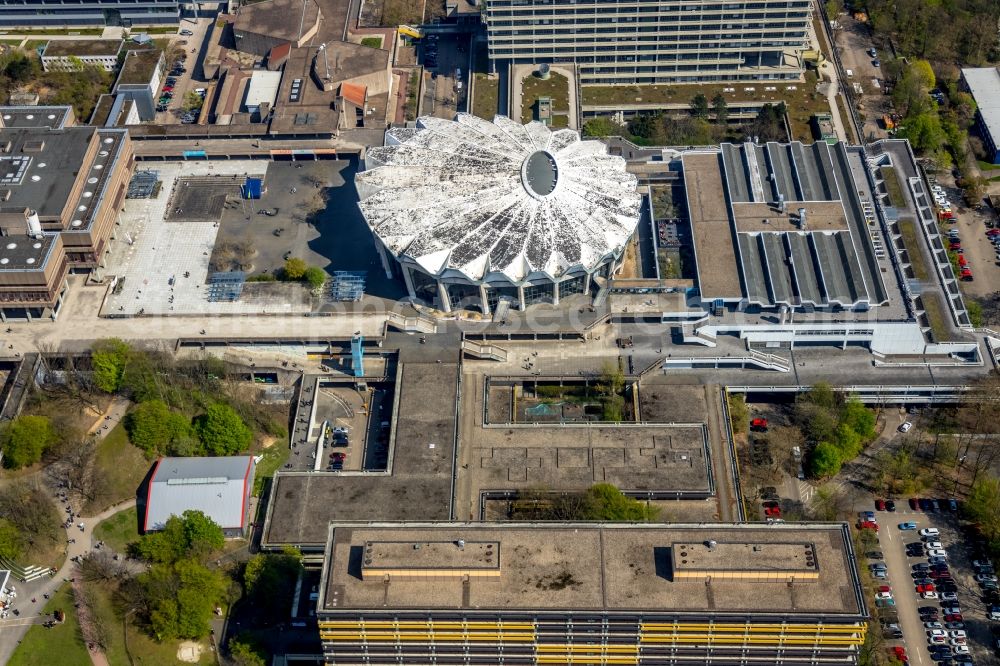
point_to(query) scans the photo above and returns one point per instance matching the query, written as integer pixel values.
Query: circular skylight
(29, 260)
(42, 165)
(92, 180)
(52, 116)
(11, 246)
(76, 223)
(98, 167)
(485, 197)
(35, 178)
(6, 116)
(109, 140)
(37, 246)
(4, 261)
(103, 153)
(81, 208)
(87, 195)
(30, 117)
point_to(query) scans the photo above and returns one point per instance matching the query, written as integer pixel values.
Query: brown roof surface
(820, 216)
(280, 19)
(614, 567)
(718, 273)
(354, 93)
(83, 47)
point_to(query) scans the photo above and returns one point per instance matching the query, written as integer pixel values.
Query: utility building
(516, 593)
(218, 487)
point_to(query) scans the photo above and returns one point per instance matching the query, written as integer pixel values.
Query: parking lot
(955, 600)
(979, 251)
(445, 59)
(193, 47)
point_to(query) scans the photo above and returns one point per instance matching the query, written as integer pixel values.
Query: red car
(758, 425)
(925, 588)
(339, 456)
(167, 88)
(899, 653)
(953, 617)
(962, 261)
(954, 246)
(772, 510)
(880, 505)
(915, 504)
(993, 232)
(867, 525)
(884, 588)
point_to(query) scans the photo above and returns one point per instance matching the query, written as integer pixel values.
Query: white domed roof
(480, 197)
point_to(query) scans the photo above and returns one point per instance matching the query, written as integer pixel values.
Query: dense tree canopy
(156, 429)
(25, 439)
(222, 432)
(192, 535)
(109, 358)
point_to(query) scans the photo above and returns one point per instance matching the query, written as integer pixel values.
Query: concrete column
(586, 284)
(520, 297)
(555, 293)
(443, 295)
(408, 280)
(485, 302)
(385, 260)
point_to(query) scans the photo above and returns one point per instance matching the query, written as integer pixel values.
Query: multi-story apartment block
(516, 593)
(654, 41)
(63, 13)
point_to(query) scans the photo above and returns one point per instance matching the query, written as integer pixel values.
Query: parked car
(930, 531)
(914, 503)
(879, 505)
(186, 32)
(904, 426)
(908, 526)
(890, 505)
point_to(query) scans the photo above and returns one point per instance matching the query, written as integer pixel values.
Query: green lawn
(373, 42)
(893, 187)
(124, 465)
(119, 530)
(556, 87)
(936, 316)
(274, 457)
(486, 96)
(908, 231)
(60, 645)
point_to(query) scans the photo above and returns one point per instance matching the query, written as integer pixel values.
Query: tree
(11, 542)
(155, 429)
(644, 125)
(246, 652)
(221, 430)
(699, 106)
(109, 358)
(28, 506)
(25, 439)
(606, 502)
(720, 108)
(191, 535)
(314, 276)
(825, 460)
(833, 9)
(193, 101)
(270, 582)
(294, 269)
(601, 127)
(983, 507)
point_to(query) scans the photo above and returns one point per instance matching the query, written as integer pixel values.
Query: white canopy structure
(473, 209)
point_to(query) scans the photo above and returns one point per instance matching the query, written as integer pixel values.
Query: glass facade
(653, 41)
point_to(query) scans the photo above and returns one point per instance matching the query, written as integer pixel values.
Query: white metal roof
(215, 486)
(263, 88)
(984, 83)
(497, 197)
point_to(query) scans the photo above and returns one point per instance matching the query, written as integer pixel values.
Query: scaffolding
(347, 286)
(226, 287)
(144, 185)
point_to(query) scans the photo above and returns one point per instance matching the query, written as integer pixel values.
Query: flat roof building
(260, 26)
(661, 42)
(99, 13)
(139, 80)
(519, 593)
(781, 225)
(218, 487)
(61, 188)
(70, 55)
(984, 84)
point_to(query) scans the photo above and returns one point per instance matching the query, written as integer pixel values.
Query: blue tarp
(253, 188)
